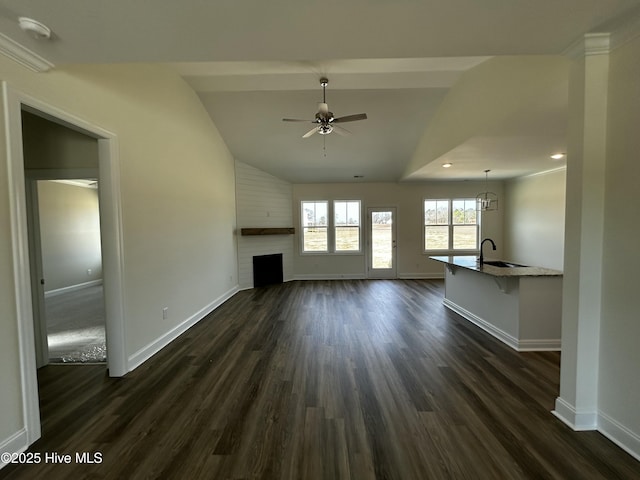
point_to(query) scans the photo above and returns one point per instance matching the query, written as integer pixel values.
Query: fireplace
(267, 269)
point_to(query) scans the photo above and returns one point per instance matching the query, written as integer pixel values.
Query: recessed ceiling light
(558, 156)
(37, 30)
(446, 165)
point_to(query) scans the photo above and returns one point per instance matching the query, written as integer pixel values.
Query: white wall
(177, 196)
(534, 219)
(619, 367)
(262, 201)
(487, 100)
(69, 233)
(408, 200)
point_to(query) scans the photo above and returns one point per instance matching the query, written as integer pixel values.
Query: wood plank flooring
(322, 380)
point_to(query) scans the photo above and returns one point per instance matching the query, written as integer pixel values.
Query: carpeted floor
(76, 326)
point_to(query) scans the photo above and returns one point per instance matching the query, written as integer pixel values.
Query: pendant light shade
(486, 201)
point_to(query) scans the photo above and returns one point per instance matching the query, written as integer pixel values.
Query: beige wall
(69, 233)
(407, 198)
(534, 219)
(487, 99)
(619, 377)
(177, 193)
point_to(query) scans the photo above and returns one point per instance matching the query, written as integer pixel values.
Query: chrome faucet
(493, 245)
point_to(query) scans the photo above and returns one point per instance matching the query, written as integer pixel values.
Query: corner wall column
(577, 404)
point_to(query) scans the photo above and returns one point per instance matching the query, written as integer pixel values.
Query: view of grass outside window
(347, 225)
(450, 224)
(314, 226)
(381, 240)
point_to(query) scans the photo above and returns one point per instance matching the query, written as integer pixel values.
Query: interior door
(381, 228)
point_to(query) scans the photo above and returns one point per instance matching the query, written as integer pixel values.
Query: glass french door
(381, 226)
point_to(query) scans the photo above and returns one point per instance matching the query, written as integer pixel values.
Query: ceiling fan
(324, 119)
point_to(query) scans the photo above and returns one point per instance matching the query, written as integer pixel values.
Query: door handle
(42, 281)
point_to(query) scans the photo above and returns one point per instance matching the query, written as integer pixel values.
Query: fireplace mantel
(267, 231)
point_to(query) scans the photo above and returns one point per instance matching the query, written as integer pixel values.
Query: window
(314, 226)
(450, 224)
(347, 225)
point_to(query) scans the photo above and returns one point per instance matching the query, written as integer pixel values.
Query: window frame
(450, 228)
(335, 228)
(330, 228)
(303, 227)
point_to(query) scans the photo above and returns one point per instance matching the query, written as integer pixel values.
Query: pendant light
(486, 201)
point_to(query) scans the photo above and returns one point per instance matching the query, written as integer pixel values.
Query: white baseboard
(530, 345)
(72, 288)
(154, 347)
(16, 443)
(620, 435)
(578, 421)
(483, 324)
(331, 276)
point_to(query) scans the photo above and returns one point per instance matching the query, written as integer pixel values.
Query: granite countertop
(470, 262)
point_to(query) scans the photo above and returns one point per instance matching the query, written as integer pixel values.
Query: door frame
(382, 273)
(35, 248)
(15, 102)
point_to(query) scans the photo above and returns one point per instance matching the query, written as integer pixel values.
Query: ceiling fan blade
(323, 108)
(310, 132)
(341, 131)
(350, 118)
(296, 120)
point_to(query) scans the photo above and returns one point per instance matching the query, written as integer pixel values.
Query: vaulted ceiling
(406, 63)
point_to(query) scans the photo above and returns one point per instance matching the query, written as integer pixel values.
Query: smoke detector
(37, 30)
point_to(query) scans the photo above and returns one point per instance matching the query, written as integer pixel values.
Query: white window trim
(333, 228)
(331, 241)
(302, 227)
(450, 225)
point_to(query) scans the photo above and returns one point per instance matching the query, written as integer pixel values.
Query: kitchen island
(519, 305)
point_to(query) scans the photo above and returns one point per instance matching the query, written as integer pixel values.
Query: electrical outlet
(89, 271)
(165, 313)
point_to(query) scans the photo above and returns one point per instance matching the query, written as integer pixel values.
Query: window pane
(347, 213)
(464, 212)
(314, 214)
(347, 239)
(381, 240)
(314, 226)
(436, 238)
(436, 212)
(465, 237)
(315, 239)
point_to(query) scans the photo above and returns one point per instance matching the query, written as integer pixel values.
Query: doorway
(15, 103)
(63, 217)
(70, 251)
(381, 227)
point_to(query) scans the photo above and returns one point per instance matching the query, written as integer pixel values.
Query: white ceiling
(254, 62)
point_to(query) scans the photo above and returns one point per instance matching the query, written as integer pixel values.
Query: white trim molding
(589, 44)
(577, 420)
(620, 435)
(22, 55)
(72, 288)
(146, 352)
(330, 276)
(16, 443)
(529, 345)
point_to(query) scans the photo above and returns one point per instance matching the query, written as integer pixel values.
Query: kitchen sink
(501, 264)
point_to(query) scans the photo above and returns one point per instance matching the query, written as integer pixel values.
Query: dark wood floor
(323, 380)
